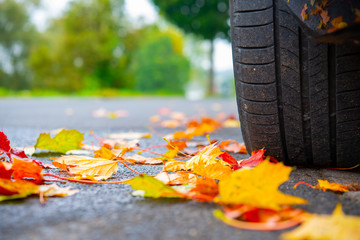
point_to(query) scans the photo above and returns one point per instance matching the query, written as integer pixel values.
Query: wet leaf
(173, 166)
(206, 189)
(304, 15)
(178, 178)
(5, 170)
(138, 159)
(54, 190)
(335, 226)
(88, 167)
(26, 170)
(226, 157)
(216, 170)
(255, 158)
(151, 187)
(258, 187)
(207, 155)
(233, 146)
(105, 153)
(4, 143)
(17, 187)
(64, 141)
(332, 186)
(251, 218)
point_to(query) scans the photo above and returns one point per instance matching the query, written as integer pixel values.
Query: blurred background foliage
(93, 48)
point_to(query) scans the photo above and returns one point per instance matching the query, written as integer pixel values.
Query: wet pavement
(109, 211)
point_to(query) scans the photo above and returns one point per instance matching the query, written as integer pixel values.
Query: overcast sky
(136, 9)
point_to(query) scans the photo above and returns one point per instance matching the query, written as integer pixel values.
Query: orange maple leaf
(332, 186)
(233, 146)
(27, 170)
(9, 187)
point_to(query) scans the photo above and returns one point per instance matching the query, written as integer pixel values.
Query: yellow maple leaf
(173, 166)
(104, 152)
(207, 155)
(326, 185)
(215, 170)
(330, 227)
(258, 187)
(85, 167)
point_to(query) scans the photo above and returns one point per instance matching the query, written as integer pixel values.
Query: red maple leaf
(226, 157)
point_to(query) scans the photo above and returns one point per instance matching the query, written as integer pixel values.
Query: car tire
(297, 98)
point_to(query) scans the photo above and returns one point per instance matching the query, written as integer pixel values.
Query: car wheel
(297, 98)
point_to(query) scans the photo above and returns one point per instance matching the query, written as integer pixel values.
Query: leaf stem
(130, 168)
(146, 150)
(307, 184)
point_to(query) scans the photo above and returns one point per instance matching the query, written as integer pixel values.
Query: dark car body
(332, 21)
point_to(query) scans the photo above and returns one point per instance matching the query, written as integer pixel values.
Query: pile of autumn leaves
(246, 190)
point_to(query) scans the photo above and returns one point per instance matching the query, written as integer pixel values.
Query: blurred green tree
(205, 18)
(83, 48)
(17, 34)
(159, 64)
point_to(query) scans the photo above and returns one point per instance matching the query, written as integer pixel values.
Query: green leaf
(64, 141)
(151, 187)
(312, 2)
(15, 196)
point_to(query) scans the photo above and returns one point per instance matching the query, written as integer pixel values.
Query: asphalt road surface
(109, 211)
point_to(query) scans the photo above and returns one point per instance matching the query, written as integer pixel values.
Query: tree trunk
(211, 89)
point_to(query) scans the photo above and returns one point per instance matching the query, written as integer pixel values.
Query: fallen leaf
(138, 159)
(216, 170)
(88, 167)
(332, 186)
(233, 146)
(5, 170)
(115, 143)
(173, 166)
(255, 158)
(337, 24)
(104, 152)
(258, 187)
(4, 143)
(226, 157)
(206, 189)
(170, 124)
(304, 15)
(54, 190)
(252, 218)
(64, 141)
(150, 187)
(208, 154)
(17, 187)
(231, 123)
(180, 145)
(335, 226)
(326, 185)
(178, 178)
(25, 170)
